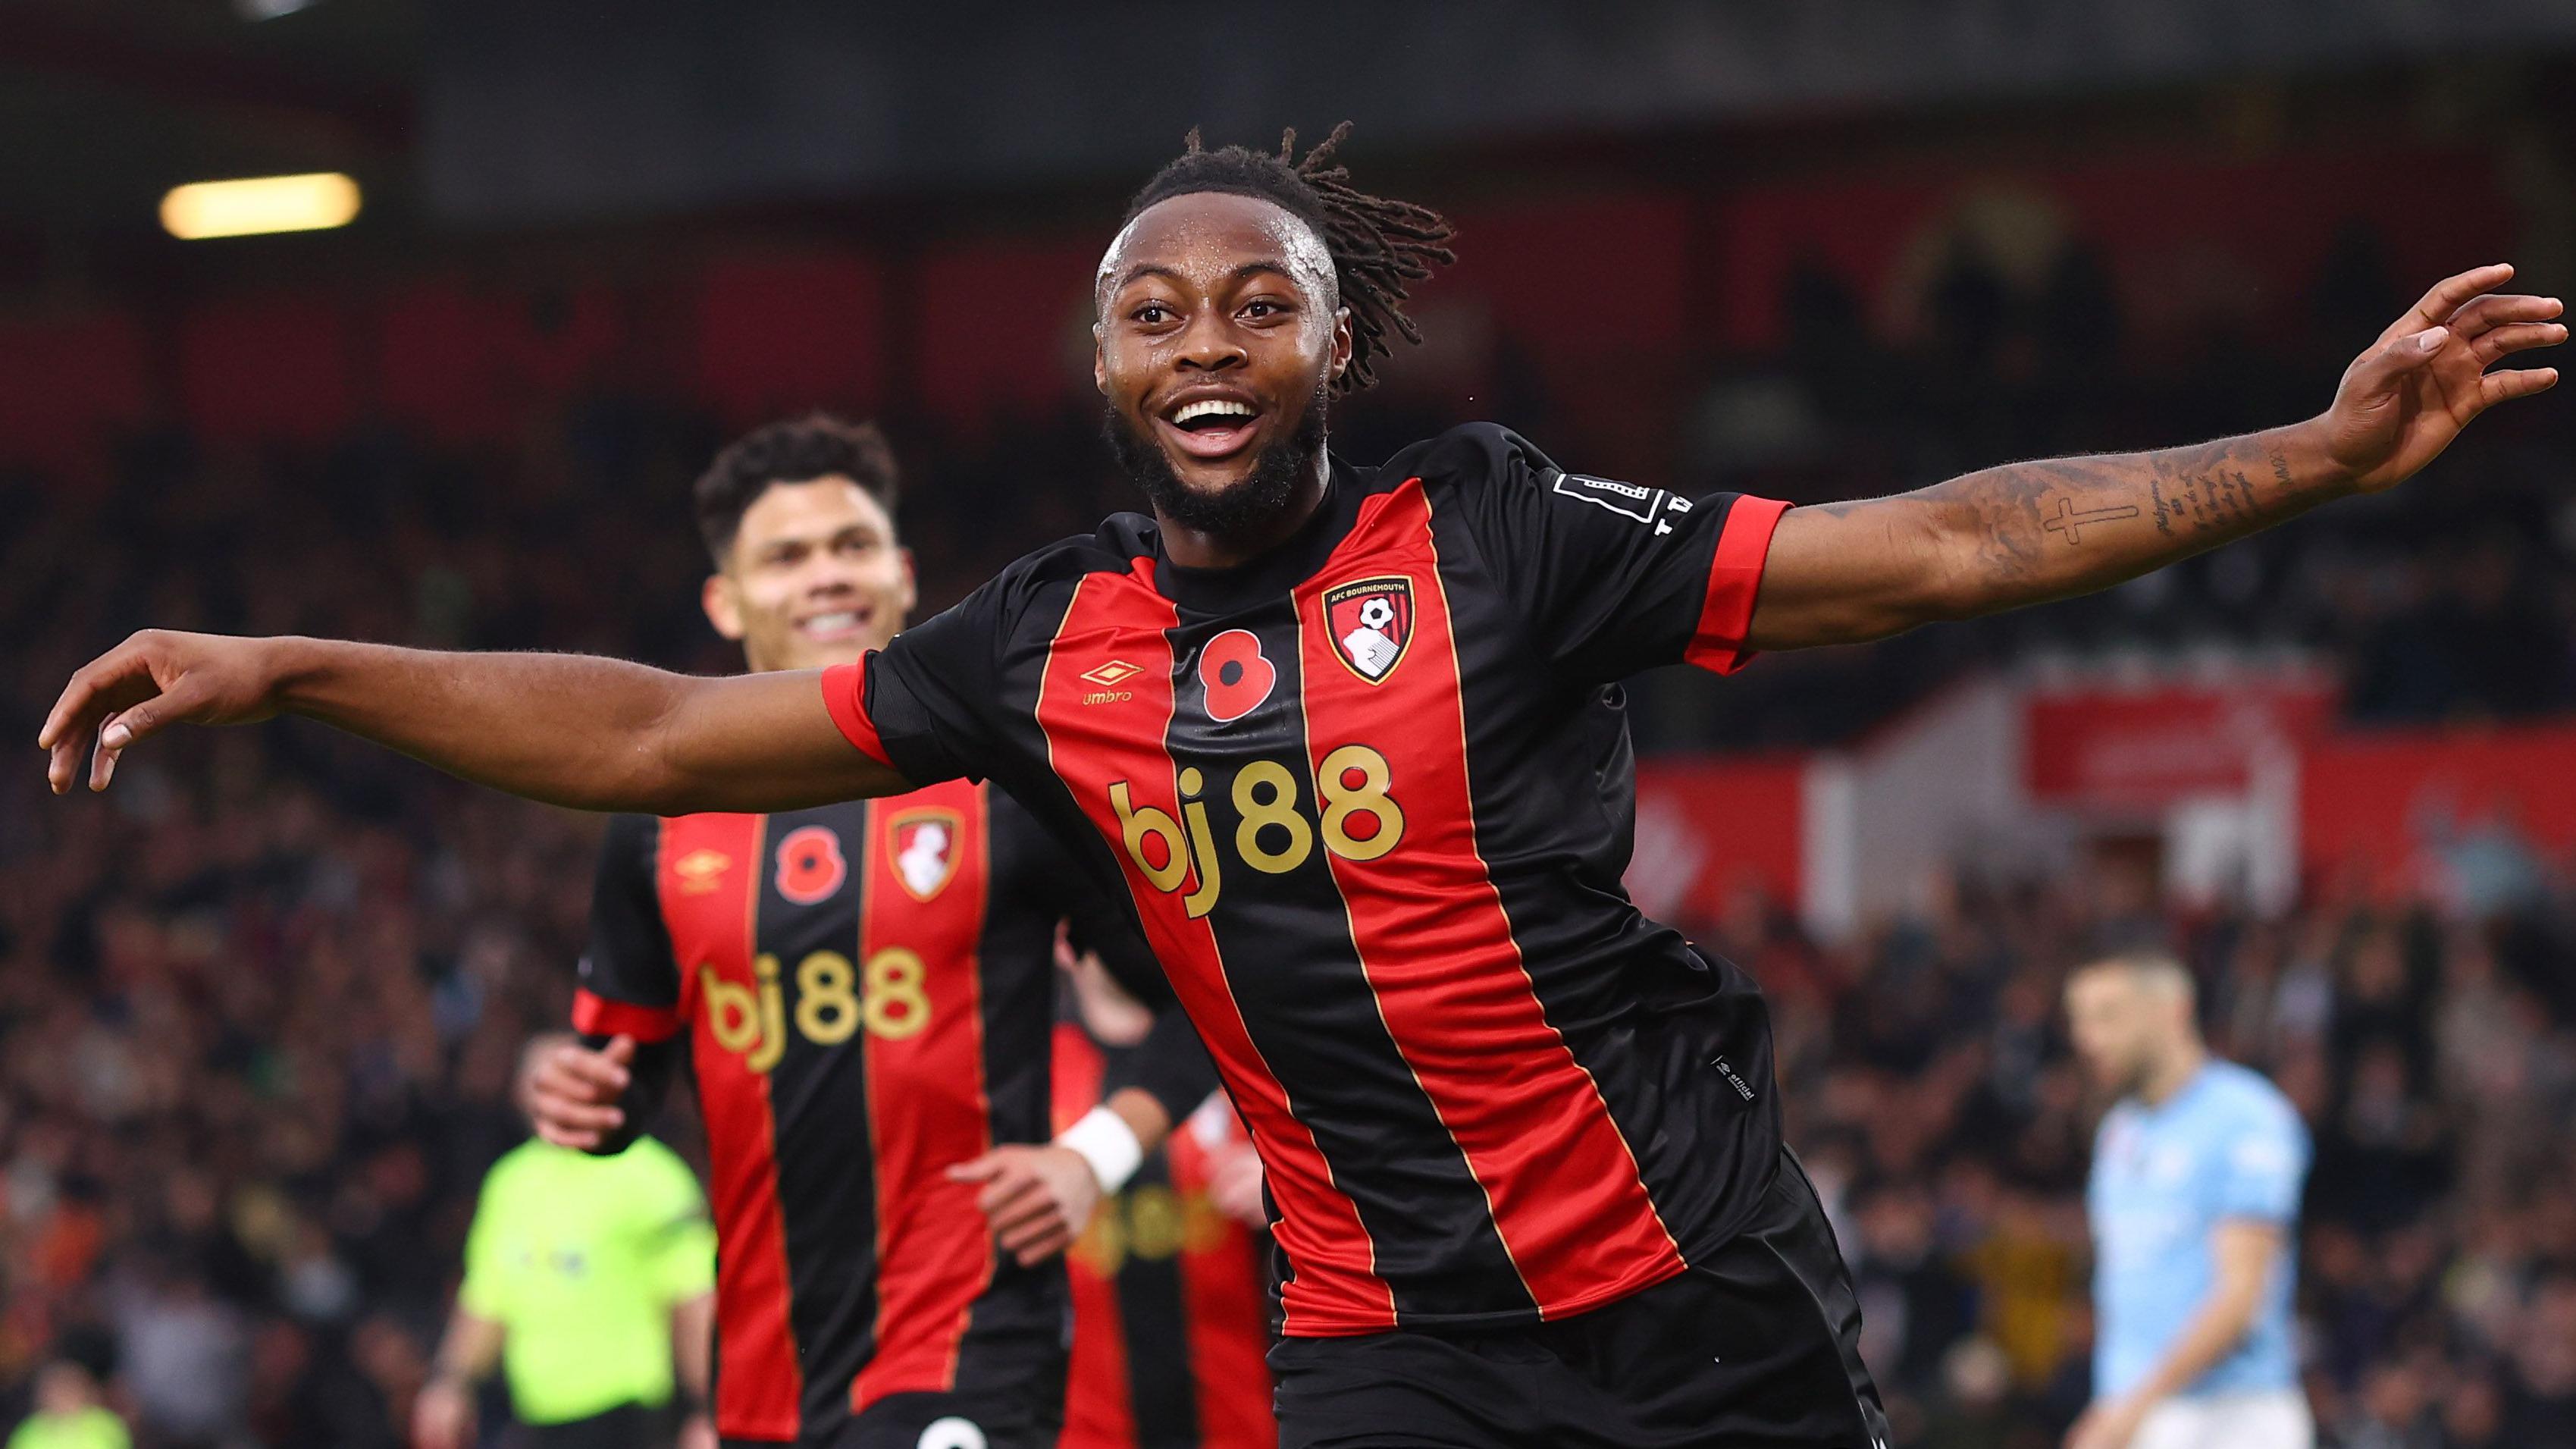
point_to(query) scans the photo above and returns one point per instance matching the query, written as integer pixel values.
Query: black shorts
(1009, 1395)
(1756, 1345)
(629, 1426)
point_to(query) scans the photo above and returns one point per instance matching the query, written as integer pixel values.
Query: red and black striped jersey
(1372, 796)
(1170, 1318)
(865, 996)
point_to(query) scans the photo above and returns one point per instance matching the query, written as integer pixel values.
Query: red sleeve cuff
(845, 694)
(1734, 581)
(598, 1016)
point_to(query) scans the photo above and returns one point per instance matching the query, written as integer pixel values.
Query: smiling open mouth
(1211, 428)
(836, 625)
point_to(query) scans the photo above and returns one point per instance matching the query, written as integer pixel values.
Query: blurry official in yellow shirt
(591, 1281)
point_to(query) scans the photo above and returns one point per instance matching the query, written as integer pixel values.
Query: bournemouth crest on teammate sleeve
(1371, 622)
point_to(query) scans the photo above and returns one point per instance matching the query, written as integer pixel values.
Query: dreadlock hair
(1377, 244)
(798, 450)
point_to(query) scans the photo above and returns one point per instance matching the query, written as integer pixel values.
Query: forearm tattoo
(2062, 525)
(2068, 521)
(2222, 500)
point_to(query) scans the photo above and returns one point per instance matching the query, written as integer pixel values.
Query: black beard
(1238, 510)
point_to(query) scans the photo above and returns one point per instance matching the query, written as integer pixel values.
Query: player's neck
(2173, 1074)
(1195, 548)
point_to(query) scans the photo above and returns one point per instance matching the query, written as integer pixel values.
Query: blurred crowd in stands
(259, 1008)
(2453, 598)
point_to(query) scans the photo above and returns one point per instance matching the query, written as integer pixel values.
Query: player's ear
(724, 608)
(911, 592)
(1099, 363)
(1342, 342)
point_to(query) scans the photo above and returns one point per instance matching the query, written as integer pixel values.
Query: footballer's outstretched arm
(594, 734)
(2026, 533)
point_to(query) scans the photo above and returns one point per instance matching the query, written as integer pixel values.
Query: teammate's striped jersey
(865, 993)
(1371, 795)
(1170, 1321)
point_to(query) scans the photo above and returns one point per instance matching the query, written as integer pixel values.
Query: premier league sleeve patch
(1371, 622)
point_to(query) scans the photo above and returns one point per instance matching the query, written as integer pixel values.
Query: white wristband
(1106, 1142)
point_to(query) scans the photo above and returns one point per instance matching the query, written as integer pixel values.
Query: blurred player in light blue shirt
(2194, 1201)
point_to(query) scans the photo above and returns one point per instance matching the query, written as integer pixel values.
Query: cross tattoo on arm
(2069, 521)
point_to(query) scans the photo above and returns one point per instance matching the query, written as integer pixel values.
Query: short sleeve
(1613, 577)
(1101, 922)
(918, 704)
(687, 1267)
(629, 983)
(485, 1291)
(1171, 1064)
(2262, 1162)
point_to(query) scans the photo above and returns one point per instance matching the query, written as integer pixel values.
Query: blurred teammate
(1349, 739)
(588, 1280)
(864, 994)
(1169, 1317)
(2194, 1198)
(68, 1413)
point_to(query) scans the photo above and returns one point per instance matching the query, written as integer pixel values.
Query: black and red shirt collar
(1273, 575)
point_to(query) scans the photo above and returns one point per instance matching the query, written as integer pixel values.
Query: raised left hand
(1037, 1197)
(2403, 401)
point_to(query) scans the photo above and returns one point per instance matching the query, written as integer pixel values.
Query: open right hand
(156, 678)
(573, 1091)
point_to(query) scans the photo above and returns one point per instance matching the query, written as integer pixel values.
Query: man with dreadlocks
(1348, 739)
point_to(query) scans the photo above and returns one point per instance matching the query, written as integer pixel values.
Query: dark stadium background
(258, 1011)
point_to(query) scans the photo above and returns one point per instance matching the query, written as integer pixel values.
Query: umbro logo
(701, 870)
(1108, 677)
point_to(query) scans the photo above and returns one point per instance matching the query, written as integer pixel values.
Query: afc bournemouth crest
(1371, 622)
(925, 845)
